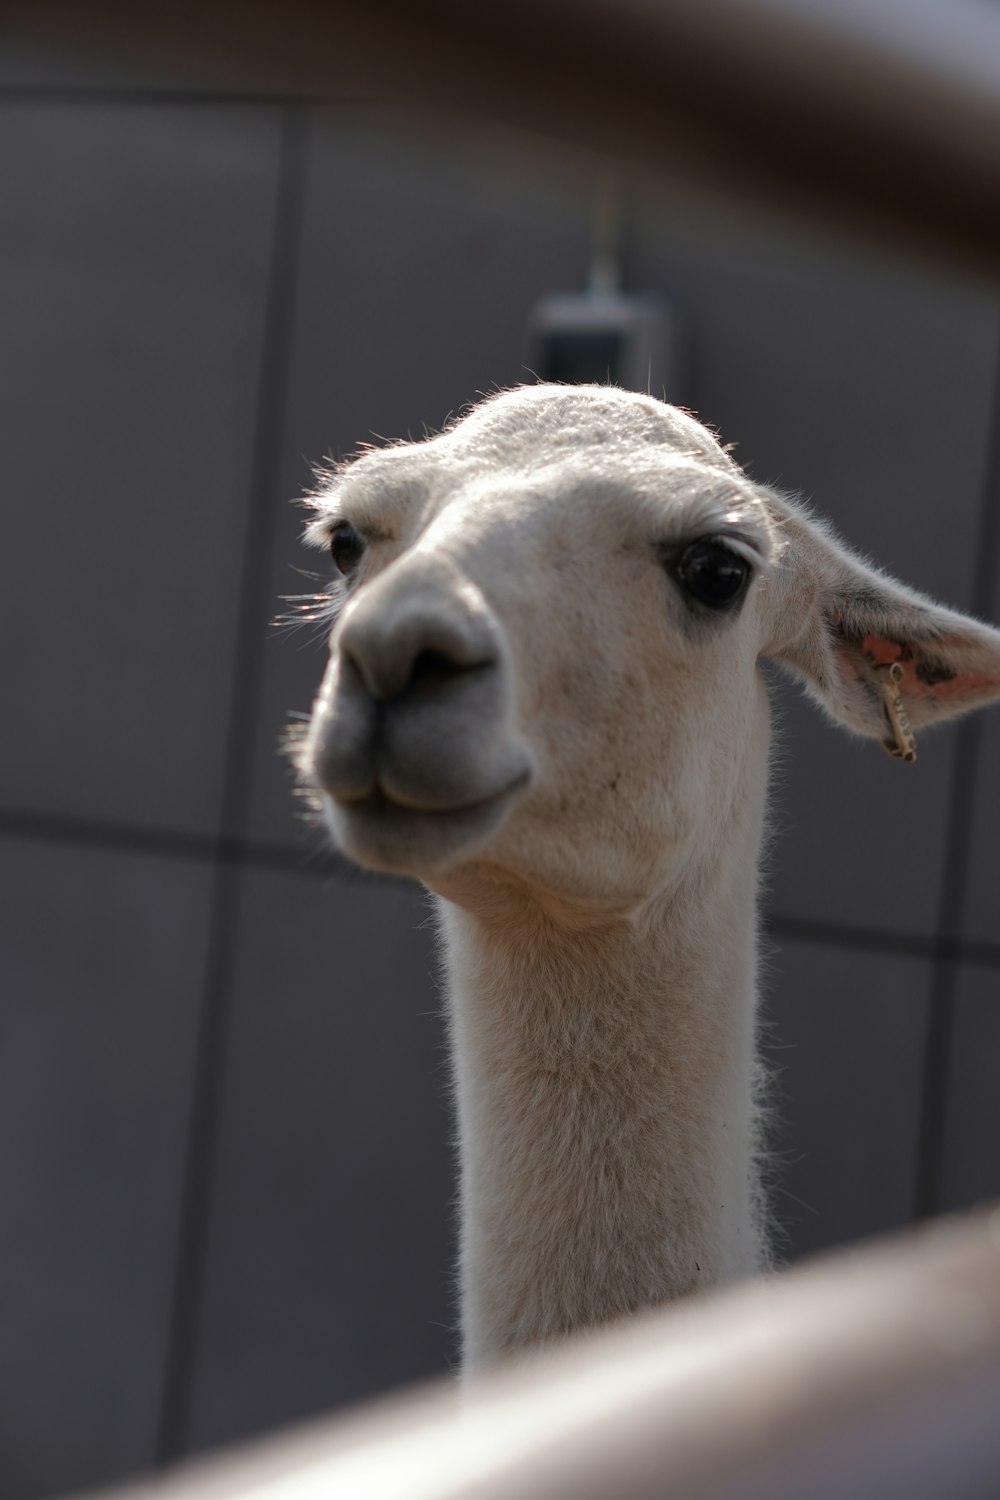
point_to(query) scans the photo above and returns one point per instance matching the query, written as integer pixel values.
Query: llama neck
(604, 1085)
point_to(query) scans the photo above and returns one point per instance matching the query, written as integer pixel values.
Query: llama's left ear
(881, 658)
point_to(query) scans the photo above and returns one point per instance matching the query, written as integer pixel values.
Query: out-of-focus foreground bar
(884, 118)
(868, 1374)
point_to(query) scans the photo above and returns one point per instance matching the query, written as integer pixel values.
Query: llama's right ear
(882, 659)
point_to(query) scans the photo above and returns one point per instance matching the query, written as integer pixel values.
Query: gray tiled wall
(845, 1031)
(103, 963)
(330, 1229)
(134, 257)
(973, 1104)
(224, 1161)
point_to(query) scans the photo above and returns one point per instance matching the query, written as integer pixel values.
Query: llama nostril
(433, 670)
(423, 658)
(392, 677)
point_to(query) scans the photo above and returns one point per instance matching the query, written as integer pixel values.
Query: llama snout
(417, 707)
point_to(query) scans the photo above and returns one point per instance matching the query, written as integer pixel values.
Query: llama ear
(882, 659)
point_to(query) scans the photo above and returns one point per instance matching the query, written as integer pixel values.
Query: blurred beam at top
(883, 117)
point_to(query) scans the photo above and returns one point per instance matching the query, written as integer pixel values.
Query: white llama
(544, 700)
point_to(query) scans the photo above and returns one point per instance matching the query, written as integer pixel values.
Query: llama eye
(346, 547)
(713, 574)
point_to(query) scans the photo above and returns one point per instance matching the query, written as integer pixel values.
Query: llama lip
(379, 803)
(388, 835)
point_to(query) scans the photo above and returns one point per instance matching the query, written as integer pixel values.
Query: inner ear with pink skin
(932, 677)
(946, 665)
(862, 638)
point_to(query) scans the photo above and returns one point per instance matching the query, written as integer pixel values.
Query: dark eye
(713, 574)
(346, 547)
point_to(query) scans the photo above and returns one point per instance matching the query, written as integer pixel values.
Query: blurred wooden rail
(865, 1376)
(884, 118)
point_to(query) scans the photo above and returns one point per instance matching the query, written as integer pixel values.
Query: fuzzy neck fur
(605, 1082)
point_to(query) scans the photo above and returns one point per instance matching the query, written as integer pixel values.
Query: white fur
(525, 710)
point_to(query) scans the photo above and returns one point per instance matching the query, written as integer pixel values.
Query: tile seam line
(328, 864)
(154, 843)
(187, 1291)
(956, 865)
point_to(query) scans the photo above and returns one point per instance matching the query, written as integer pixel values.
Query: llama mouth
(384, 834)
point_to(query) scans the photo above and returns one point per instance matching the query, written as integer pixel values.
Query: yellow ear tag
(903, 744)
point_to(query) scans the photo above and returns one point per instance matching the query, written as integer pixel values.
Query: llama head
(544, 661)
